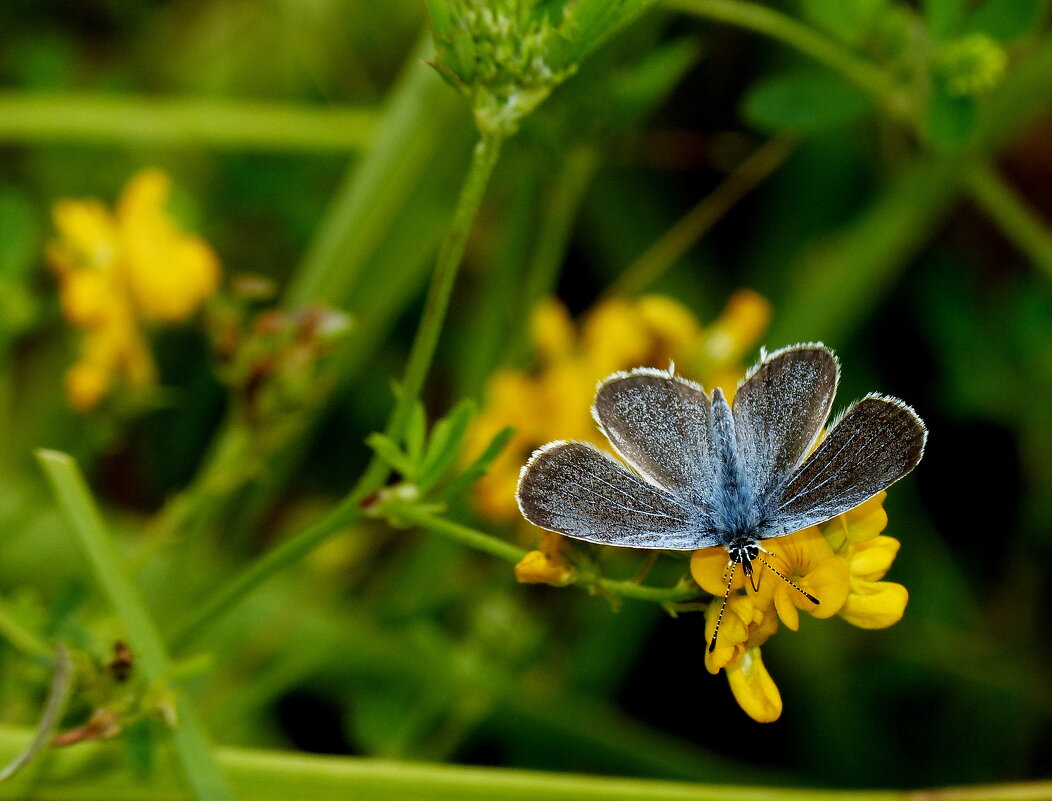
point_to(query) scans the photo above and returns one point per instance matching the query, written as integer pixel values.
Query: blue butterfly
(702, 473)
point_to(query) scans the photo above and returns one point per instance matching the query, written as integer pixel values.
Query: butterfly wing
(875, 443)
(577, 490)
(659, 424)
(779, 410)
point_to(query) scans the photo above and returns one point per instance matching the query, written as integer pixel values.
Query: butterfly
(702, 472)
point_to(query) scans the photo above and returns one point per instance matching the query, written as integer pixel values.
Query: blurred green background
(308, 143)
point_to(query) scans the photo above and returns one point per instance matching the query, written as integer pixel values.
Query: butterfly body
(703, 472)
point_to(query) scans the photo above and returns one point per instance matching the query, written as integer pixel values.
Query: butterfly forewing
(779, 410)
(659, 424)
(575, 489)
(877, 441)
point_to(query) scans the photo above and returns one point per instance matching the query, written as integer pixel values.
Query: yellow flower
(553, 400)
(547, 565)
(753, 688)
(867, 555)
(118, 272)
(841, 563)
(168, 273)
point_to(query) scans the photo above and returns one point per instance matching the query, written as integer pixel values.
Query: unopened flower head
(505, 55)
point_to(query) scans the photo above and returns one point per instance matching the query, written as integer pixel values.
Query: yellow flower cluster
(553, 400)
(119, 271)
(840, 562)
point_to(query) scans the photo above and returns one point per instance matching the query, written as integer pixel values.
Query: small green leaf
(444, 445)
(944, 17)
(641, 89)
(441, 18)
(416, 433)
(392, 455)
(1005, 20)
(803, 103)
(849, 21)
(478, 468)
(952, 120)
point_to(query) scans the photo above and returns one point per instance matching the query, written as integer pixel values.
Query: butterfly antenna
(787, 580)
(731, 565)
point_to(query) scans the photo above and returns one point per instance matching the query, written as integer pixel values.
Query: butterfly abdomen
(735, 508)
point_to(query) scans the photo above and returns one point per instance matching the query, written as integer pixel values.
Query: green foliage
(804, 103)
(425, 459)
(1006, 20)
(298, 564)
(848, 21)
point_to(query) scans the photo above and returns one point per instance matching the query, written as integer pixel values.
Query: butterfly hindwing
(575, 489)
(875, 443)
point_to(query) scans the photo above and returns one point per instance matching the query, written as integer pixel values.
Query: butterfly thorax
(736, 513)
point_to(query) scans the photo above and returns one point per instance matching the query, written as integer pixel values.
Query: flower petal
(753, 687)
(708, 566)
(870, 560)
(875, 604)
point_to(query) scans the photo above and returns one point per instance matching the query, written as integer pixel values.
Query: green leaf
(803, 103)
(447, 437)
(478, 468)
(97, 545)
(19, 236)
(649, 82)
(441, 19)
(944, 17)
(952, 121)
(387, 450)
(416, 433)
(1005, 20)
(848, 20)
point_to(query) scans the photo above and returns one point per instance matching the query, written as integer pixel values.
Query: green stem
(22, 638)
(560, 213)
(484, 159)
(271, 775)
(63, 680)
(1017, 221)
(494, 546)
(100, 550)
(985, 186)
(807, 40)
(184, 122)
(693, 225)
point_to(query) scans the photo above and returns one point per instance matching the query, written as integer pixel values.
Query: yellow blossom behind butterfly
(119, 272)
(552, 400)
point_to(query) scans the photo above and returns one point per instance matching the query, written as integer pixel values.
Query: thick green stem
(272, 775)
(450, 255)
(99, 549)
(765, 20)
(1017, 221)
(185, 122)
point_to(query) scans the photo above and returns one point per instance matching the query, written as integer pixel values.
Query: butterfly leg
(786, 579)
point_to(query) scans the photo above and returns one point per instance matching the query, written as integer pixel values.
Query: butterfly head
(744, 552)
